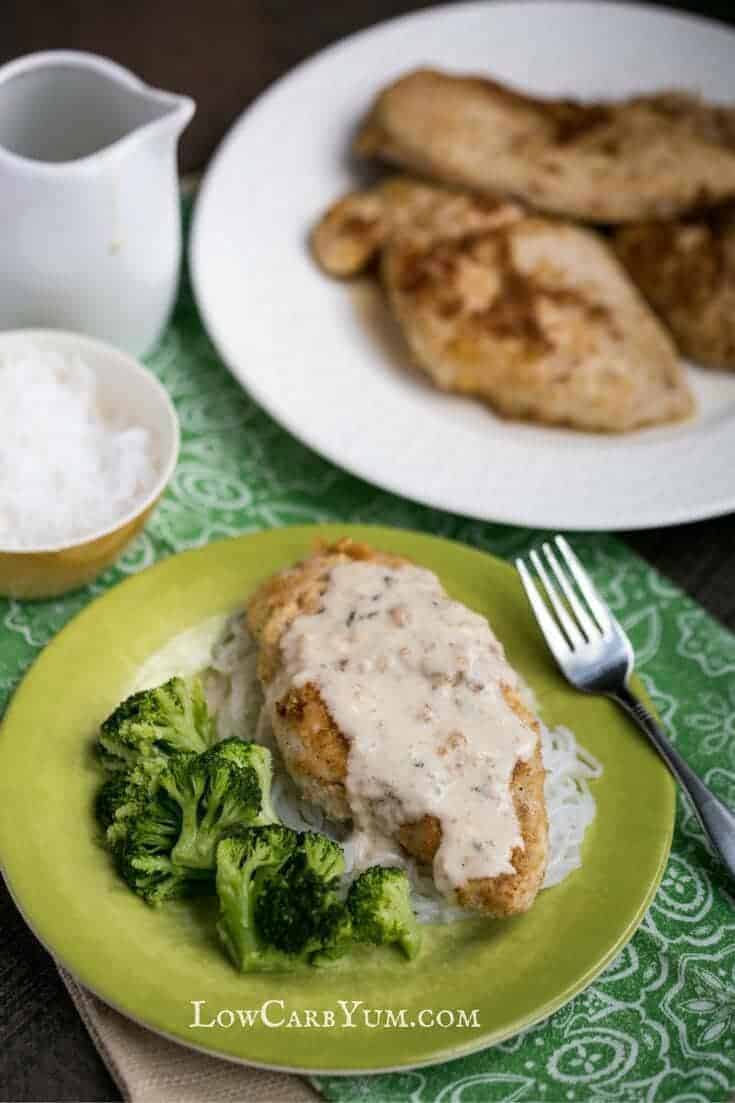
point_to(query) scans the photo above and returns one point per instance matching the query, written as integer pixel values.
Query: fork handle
(717, 819)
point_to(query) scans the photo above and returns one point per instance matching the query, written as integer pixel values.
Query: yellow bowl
(133, 395)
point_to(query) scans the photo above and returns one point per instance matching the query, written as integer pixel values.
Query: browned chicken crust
(648, 157)
(686, 270)
(316, 752)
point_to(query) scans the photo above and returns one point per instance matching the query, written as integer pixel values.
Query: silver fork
(595, 655)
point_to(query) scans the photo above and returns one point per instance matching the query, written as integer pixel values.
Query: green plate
(152, 965)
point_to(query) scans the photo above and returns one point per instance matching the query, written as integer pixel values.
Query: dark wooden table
(224, 53)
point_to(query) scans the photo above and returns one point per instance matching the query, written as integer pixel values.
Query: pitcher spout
(168, 112)
(67, 106)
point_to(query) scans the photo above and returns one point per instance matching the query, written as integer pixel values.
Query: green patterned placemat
(659, 1024)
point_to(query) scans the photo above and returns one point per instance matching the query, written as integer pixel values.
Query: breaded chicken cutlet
(317, 751)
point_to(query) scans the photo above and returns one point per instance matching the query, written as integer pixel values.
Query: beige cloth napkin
(151, 1069)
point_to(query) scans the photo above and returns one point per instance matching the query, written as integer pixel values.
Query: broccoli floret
(214, 795)
(124, 796)
(259, 759)
(285, 910)
(336, 936)
(300, 913)
(118, 800)
(246, 861)
(145, 861)
(114, 797)
(322, 855)
(379, 902)
(279, 902)
(307, 904)
(155, 723)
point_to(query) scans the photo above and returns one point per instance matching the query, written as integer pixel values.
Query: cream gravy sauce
(415, 681)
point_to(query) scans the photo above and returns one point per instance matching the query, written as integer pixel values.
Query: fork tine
(551, 631)
(584, 620)
(568, 626)
(595, 603)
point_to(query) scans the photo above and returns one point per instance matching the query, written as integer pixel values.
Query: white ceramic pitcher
(89, 209)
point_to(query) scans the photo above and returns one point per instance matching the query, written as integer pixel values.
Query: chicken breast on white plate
(539, 320)
(686, 270)
(647, 157)
(395, 707)
(529, 314)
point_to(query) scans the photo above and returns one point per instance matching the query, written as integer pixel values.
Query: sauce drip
(415, 683)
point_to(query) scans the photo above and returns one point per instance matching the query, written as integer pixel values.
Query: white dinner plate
(322, 358)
